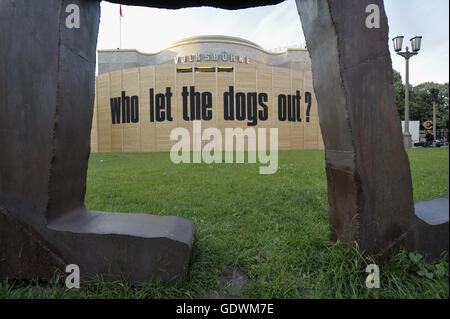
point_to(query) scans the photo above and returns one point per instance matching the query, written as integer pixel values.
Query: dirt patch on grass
(233, 282)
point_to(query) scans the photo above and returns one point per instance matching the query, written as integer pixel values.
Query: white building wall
(413, 129)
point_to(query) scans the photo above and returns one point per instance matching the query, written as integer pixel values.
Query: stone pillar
(46, 105)
(369, 181)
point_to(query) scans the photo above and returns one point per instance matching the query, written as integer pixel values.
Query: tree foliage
(420, 102)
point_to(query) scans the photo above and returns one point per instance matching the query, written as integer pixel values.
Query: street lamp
(434, 97)
(415, 46)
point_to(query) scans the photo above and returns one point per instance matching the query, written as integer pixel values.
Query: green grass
(272, 228)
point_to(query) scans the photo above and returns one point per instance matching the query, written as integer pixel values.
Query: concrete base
(434, 212)
(136, 247)
(429, 234)
(407, 141)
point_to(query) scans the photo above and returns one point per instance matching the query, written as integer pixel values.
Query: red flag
(121, 15)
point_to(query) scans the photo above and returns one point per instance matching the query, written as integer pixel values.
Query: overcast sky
(150, 30)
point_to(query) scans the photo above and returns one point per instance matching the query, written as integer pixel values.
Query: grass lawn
(269, 230)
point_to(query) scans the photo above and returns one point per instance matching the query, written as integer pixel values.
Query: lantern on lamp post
(434, 97)
(415, 47)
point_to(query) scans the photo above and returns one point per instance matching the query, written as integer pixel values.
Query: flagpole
(120, 27)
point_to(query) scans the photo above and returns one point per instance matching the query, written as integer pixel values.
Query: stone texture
(369, 181)
(46, 99)
(434, 211)
(24, 253)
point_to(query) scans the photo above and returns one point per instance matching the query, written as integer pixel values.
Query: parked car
(434, 143)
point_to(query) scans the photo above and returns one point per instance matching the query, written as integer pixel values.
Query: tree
(423, 104)
(420, 103)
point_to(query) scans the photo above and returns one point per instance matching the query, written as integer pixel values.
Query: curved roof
(215, 38)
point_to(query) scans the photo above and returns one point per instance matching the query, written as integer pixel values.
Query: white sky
(151, 30)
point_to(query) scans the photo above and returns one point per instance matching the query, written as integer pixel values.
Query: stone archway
(48, 76)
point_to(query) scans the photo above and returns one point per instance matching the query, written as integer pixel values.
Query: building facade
(225, 82)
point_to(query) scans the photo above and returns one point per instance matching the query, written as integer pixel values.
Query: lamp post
(415, 46)
(434, 97)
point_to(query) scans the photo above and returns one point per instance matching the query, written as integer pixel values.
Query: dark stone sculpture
(46, 97)
(177, 4)
(369, 181)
